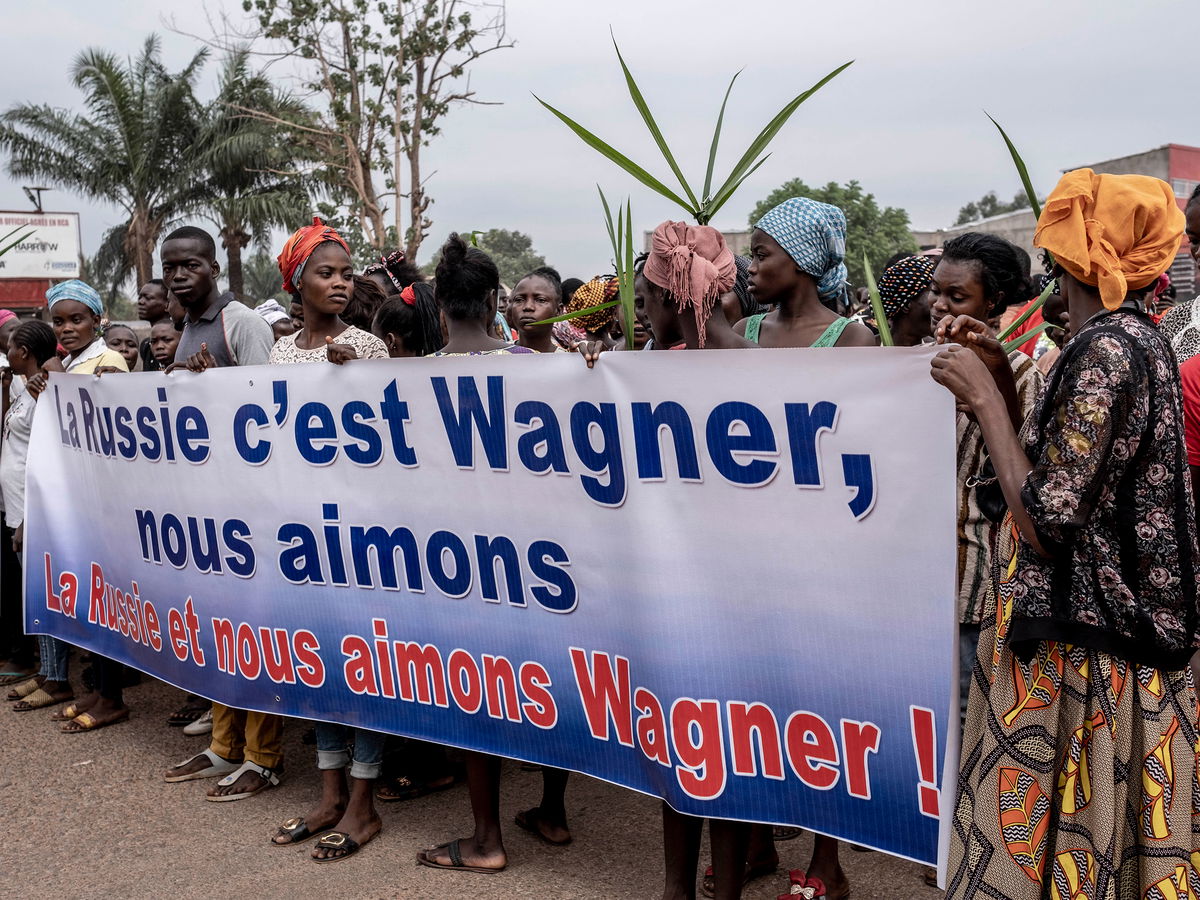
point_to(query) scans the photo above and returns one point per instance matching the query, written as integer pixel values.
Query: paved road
(89, 816)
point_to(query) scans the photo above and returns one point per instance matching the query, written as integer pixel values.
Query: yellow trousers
(238, 734)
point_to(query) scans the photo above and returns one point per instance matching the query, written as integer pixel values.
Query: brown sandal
(88, 722)
(42, 698)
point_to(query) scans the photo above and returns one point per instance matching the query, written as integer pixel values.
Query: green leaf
(608, 220)
(1021, 170)
(712, 151)
(885, 332)
(773, 127)
(728, 191)
(23, 237)
(640, 102)
(619, 158)
(626, 275)
(579, 312)
(1030, 310)
(1031, 335)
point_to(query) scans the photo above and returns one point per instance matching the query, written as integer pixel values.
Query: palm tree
(253, 166)
(133, 147)
(262, 278)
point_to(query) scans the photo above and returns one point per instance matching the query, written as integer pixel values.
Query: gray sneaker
(202, 725)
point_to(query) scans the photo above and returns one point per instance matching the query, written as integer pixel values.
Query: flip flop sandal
(786, 832)
(406, 788)
(456, 860)
(296, 831)
(40, 699)
(270, 779)
(217, 766)
(24, 689)
(87, 722)
(528, 821)
(66, 714)
(188, 713)
(337, 840)
(804, 887)
(708, 884)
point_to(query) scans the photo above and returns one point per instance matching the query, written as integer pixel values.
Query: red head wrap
(300, 247)
(692, 263)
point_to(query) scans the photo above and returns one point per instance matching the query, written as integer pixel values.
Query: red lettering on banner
(465, 686)
(247, 652)
(696, 733)
(604, 694)
(387, 679)
(925, 747)
(359, 670)
(223, 638)
(500, 677)
(68, 586)
(178, 636)
(306, 648)
(277, 655)
(152, 630)
(858, 739)
(745, 721)
(651, 727)
(815, 760)
(411, 661)
(97, 610)
(193, 626)
(539, 707)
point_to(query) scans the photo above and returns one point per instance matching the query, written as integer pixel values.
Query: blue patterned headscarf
(814, 235)
(78, 291)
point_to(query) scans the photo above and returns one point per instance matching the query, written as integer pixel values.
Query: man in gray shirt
(246, 747)
(218, 330)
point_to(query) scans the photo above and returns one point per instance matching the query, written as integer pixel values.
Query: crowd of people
(1077, 555)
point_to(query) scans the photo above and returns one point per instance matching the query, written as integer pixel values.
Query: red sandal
(805, 887)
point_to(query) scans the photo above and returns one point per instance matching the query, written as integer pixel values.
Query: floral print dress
(1078, 769)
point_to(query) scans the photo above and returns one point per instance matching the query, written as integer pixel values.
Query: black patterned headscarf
(741, 286)
(903, 282)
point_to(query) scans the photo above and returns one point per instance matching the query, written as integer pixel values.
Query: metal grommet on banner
(278, 699)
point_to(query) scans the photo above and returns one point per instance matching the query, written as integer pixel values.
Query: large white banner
(725, 578)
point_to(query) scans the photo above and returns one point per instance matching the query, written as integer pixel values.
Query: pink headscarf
(5, 315)
(692, 263)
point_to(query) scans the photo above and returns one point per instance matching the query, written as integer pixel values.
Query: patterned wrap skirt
(1078, 773)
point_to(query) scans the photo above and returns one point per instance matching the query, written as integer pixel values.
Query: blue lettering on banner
(419, 579)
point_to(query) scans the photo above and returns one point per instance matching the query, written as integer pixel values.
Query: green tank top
(829, 337)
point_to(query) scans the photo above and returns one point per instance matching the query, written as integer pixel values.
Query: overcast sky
(1073, 81)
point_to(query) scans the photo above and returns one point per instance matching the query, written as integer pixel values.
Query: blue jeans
(333, 750)
(55, 655)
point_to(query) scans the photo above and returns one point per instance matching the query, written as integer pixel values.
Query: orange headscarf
(300, 246)
(1114, 232)
(692, 263)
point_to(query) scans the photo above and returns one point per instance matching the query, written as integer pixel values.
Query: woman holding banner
(316, 268)
(1079, 759)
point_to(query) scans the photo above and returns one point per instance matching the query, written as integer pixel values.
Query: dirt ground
(90, 816)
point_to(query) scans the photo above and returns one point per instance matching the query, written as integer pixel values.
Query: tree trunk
(145, 264)
(416, 193)
(234, 238)
(139, 245)
(397, 137)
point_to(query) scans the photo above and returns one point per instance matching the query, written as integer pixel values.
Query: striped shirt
(976, 533)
